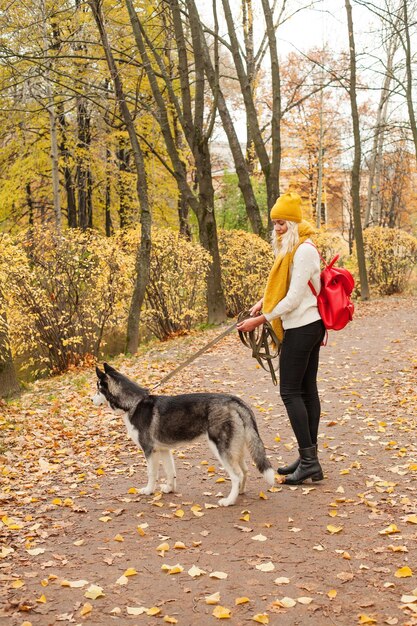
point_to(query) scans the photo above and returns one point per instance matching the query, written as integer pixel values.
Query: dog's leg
(244, 469)
(152, 465)
(169, 467)
(234, 471)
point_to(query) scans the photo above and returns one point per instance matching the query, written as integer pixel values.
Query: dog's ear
(100, 374)
(108, 368)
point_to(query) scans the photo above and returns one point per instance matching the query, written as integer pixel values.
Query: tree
(8, 380)
(356, 167)
(189, 106)
(144, 249)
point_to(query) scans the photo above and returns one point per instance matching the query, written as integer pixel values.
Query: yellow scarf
(279, 278)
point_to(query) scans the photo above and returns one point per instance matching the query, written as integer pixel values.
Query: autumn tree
(356, 166)
(190, 107)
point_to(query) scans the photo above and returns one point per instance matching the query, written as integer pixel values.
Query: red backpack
(334, 303)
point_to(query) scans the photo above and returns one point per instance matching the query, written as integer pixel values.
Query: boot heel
(316, 477)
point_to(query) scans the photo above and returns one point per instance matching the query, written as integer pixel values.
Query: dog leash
(263, 342)
(195, 355)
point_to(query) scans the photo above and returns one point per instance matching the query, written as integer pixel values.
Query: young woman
(291, 307)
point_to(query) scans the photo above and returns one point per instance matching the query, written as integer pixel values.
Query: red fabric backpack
(334, 303)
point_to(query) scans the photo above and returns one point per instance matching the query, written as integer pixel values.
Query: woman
(290, 306)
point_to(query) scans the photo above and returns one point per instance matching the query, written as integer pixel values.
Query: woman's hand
(256, 307)
(251, 323)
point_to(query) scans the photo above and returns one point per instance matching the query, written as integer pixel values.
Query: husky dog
(159, 423)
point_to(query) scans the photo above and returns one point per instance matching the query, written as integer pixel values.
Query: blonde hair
(283, 245)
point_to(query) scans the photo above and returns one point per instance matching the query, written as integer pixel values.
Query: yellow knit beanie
(287, 207)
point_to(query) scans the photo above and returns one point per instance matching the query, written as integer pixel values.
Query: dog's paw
(146, 491)
(225, 502)
(166, 488)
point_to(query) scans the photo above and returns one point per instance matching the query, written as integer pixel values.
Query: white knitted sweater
(299, 307)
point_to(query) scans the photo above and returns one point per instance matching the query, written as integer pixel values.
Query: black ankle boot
(309, 467)
(289, 469)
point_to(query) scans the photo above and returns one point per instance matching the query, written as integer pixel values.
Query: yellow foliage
(61, 291)
(246, 260)
(176, 293)
(391, 255)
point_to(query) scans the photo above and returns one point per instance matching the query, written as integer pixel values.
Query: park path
(342, 552)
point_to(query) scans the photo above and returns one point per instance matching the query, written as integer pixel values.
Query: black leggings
(299, 361)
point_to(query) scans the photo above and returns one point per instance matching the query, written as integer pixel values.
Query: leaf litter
(80, 543)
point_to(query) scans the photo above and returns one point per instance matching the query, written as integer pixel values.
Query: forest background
(143, 144)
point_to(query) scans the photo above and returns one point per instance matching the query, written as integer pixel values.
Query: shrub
(329, 244)
(246, 261)
(62, 291)
(391, 255)
(176, 293)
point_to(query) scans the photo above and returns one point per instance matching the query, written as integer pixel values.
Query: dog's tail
(255, 445)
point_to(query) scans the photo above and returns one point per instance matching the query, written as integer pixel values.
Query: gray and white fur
(159, 423)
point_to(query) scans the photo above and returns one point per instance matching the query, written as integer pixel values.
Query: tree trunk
(409, 74)
(245, 185)
(373, 208)
(68, 181)
(142, 265)
(8, 380)
(192, 128)
(355, 174)
(83, 165)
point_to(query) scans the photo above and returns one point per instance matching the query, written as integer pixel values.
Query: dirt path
(337, 553)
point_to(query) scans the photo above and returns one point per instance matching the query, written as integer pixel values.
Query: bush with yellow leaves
(329, 244)
(62, 291)
(391, 255)
(176, 294)
(246, 260)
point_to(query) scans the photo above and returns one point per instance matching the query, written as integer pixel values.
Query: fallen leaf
(220, 575)
(195, 571)
(221, 612)
(403, 572)
(86, 609)
(213, 599)
(242, 600)
(135, 610)
(261, 618)
(266, 567)
(94, 592)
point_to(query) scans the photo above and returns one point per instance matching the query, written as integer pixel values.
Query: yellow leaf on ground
(135, 610)
(153, 611)
(179, 545)
(261, 618)
(221, 575)
(411, 519)
(172, 569)
(365, 619)
(17, 584)
(41, 599)
(36, 551)
(389, 530)
(163, 547)
(242, 600)
(287, 603)
(213, 599)
(403, 572)
(94, 592)
(334, 529)
(332, 593)
(221, 612)
(195, 571)
(118, 538)
(130, 572)
(180, 513)
(170, 620)
(86, 609)
(123, 580)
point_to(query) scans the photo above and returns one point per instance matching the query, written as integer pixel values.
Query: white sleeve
(305, 261)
